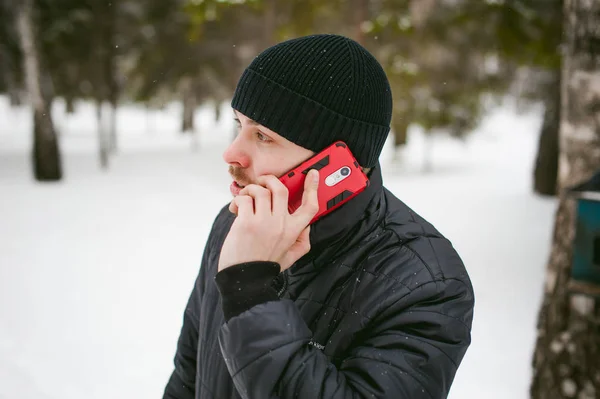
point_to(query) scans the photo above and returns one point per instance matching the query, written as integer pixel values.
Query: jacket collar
(351, 220)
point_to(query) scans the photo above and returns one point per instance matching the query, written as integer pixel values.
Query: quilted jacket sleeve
(181, 384)
(410, 350)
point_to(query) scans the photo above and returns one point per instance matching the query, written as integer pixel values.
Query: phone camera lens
(345, 171)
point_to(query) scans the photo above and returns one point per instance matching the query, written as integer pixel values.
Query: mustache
(238, 175)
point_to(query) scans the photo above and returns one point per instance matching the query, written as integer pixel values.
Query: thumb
(310, 199)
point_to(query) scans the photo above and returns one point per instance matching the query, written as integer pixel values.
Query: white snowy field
(95, 270)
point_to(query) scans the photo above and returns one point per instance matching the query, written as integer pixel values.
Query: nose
(236, 154)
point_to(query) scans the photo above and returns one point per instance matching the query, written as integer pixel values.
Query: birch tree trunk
(46, 154)
(566, 360)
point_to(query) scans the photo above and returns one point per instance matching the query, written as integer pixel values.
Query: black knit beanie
(317, 89)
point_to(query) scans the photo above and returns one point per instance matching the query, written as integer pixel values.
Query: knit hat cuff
(304, 121)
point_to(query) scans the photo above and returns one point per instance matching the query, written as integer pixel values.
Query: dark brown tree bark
(566, 360)
(270, 22)
(69, 105)
(104, 78)
(217, 106)
(103, 135)
(545, 174)
(110, 71)
(400, 129)
(112, 128)
(8, 76)
(46, 154)
(189, 106)
(420, 10)
(361, 14)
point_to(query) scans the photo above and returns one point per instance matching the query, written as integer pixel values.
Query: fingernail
(315, 176)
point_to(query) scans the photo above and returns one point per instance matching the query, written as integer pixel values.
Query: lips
(235, 188)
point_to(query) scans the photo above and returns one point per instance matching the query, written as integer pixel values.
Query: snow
(95, 271)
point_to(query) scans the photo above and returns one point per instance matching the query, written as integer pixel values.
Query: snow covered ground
(95, 271)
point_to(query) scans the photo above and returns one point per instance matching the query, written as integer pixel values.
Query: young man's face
(258, 151)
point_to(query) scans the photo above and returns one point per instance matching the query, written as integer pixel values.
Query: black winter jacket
(380, 307)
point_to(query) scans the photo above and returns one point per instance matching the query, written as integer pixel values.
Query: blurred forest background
(448, 61)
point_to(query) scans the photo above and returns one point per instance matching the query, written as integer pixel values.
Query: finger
(244, 205)
(261, 196)
(310, 199)
(233, 207)
(279, 194)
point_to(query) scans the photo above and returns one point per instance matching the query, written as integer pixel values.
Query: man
(369, 301)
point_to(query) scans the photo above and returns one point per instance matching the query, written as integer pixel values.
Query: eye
(263, 138)
(238, 123)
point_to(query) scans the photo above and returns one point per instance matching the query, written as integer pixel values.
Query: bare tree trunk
(112, 130)
(428, 153)
(400, 127)
(270, 22)
(361, 14)
(217, 111)
(111, 72)
(566, 360)
(149, 119)
(69, 105)
(104, 74)
(420, 10)
(545, 174)
(103, 139)
(8, 72)
(189, 106)
(46, 154)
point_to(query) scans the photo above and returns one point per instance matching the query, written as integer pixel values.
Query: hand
(264, 230)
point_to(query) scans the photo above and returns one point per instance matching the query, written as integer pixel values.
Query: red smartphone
(340, 179)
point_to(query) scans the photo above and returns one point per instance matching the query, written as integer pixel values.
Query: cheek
(279, 163)
(275, 165)
(285, 164)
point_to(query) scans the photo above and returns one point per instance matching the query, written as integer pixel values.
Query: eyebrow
(250, 121)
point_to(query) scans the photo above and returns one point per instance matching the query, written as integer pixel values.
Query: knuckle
(264, 192)
(274, 184)
(280, 191)
(243, 200)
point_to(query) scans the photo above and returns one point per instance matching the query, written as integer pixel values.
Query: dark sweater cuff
(246, 285)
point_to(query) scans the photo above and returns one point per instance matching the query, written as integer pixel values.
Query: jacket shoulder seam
(403, 243)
